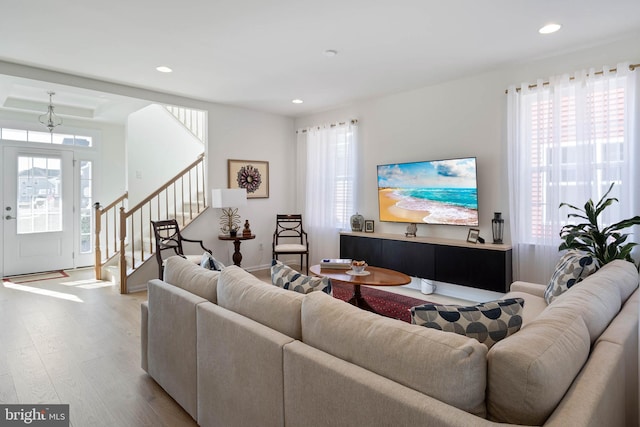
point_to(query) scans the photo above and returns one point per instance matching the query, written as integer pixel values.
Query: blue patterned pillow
(210, 263)
(285, 277)
(488, 322)
(572, 268)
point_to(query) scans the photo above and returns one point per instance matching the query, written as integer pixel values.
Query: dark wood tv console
(484, 266)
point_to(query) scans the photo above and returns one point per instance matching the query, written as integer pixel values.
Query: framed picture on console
(253, 175)
(368, 226)
(472, 237)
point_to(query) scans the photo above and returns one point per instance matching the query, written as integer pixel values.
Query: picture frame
(252, 175)
(473, 235)
(368, 226)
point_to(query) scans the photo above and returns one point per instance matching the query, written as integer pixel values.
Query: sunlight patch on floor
(45, 292)
(88, 284)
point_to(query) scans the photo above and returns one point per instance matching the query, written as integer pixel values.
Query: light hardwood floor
(77, 341)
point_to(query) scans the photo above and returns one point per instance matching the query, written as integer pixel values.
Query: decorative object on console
(487, 322)
(357, 222)
(605, 244)
(285, 277)
(368, 226)
(412, 229)
(252, 175)
(473, 235)
(573, 267)
(497, 226)
(247, 230)
(50, 119)
(228, 200)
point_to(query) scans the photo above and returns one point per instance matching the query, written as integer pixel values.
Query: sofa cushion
(572, 268)
(487, 322)
(286, 277)
(529, 373)
(533, 305)
(245, 294)
(191, 277)
(448, 367)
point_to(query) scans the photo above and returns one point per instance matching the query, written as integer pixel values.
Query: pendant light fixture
(50, 119)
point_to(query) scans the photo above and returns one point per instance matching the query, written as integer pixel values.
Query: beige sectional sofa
(235, 351)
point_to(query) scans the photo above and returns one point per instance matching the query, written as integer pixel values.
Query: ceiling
(262, 54)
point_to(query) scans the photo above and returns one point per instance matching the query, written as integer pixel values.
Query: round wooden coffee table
(377, 277)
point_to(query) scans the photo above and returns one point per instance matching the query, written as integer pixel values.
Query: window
(568, 140)
(327, 157)
(562, 142)
(45, 137)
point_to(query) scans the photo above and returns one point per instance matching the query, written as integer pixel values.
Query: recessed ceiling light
(297, 101)
(164, 69)
(330, 53)
(549, 28)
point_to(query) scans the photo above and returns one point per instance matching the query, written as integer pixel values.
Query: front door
(37, 210)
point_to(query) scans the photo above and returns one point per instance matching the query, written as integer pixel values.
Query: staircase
(124, 237)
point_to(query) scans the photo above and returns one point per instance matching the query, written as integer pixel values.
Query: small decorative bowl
(358, 266)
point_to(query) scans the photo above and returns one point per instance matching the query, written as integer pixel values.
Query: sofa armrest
(597, 396)
(529, 288)
(144, 334)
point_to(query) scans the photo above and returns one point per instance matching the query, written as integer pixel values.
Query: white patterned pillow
(285, 277)
(210, 263)
(573, 267)
(488, 322)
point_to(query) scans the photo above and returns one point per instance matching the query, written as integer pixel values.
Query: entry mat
(36, 277)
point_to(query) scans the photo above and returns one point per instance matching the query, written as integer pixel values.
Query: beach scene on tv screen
(435, 192)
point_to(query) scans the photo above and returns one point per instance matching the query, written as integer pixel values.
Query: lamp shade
(228, 198)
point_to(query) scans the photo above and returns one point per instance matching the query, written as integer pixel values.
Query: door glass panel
(86, 208)
(39, 194)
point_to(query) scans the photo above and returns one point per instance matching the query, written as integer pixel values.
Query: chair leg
(307, 263)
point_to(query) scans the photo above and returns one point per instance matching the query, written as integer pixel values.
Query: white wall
(236, 133)
(465, 117)
(158, 147)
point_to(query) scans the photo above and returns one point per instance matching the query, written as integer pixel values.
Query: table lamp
(228, 200)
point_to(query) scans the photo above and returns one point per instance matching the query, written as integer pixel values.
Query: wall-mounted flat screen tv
(429, 192)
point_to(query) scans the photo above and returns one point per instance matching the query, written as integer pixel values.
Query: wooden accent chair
(290, 237)
(168, 237)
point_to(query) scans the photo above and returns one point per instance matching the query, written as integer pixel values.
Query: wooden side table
(237, 256)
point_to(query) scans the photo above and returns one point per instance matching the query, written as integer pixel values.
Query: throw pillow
(285, 277)
(210, 263)
(573, 267)
(488, 322)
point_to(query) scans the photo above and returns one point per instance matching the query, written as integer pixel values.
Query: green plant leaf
(606, 244)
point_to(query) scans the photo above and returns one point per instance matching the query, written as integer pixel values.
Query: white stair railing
(192, 119)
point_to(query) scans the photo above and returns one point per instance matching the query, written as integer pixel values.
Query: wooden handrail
(166, 185)
(118, 200)
(139, 217)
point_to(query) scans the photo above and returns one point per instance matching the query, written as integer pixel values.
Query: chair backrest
(289, 226)
(167, 235)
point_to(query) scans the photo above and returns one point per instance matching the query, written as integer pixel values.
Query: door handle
(9, 217)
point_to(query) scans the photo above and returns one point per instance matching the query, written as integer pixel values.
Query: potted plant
(604, 245)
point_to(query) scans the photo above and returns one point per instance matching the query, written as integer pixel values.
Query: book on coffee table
(336, 263)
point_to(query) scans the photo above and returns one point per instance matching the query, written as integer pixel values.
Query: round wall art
(252, 175)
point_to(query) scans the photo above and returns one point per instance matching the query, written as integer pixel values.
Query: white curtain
(568, 140)
(327, 163)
